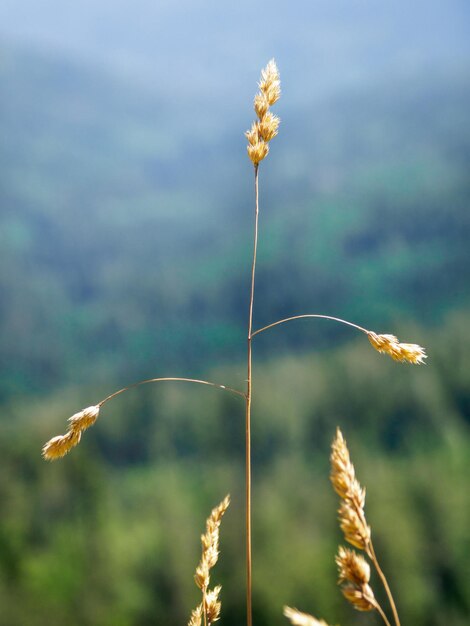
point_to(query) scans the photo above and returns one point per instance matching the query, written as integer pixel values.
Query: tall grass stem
(249, 618)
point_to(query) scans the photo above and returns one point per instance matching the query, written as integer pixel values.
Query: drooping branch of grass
(60, 445)
(386, 344)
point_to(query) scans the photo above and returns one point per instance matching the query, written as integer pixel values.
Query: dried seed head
(213, 605)
(258, 152)
(253, 134)
(270, 84)
(84, 419)
(352, 567)
(362, 599)
(298, 618)
(403, 352)
(354, 526)
(58, 447)
(351, 512)
(210, 606)
(196, 616)
(261, 105)
(201, 577)
(210, 544)
(268, 126)
(342, 470)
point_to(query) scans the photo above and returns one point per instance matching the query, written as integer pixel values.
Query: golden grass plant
(262, 131)
(353, 568)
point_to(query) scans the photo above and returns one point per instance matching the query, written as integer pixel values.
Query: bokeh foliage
(116, 265)
(110, 534)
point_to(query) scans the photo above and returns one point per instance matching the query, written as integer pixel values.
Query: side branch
(172, 379)
(60, 445)
(386, 344)
(299, 317)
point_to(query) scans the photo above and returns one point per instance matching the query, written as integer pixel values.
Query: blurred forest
(125, 242)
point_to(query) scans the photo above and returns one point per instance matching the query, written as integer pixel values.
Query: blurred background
(126, 211)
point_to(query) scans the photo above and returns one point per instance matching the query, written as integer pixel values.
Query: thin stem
(249, 618)
(381, 613)
(371, 553)
(298, 317)
(171, 379)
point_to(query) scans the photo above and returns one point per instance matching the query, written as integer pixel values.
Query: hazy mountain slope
(125, 237)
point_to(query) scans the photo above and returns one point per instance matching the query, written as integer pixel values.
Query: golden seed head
(261, 105)
(84, 419)
(352, 567)
(201, 577)
(351, 512)
(402, 352)
(213, 605)
(362, 599)
(270, 84)
(58, 447)
(196, 616)
(258, 152)
(209, 557)
(342, 470)
(253, 134)
(298, 618)
(268, 126)
(210, 544)
(353, 524)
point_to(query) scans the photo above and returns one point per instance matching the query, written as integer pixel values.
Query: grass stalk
(249, 616)
(383, 578)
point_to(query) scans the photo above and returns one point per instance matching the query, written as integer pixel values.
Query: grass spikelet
(402, 352)
(213, 605)
(210, 606)
(354, 570)
(297, 618)
(84, 419)
(60, 445)
(352, 567)
(270, 83)
(361, 598)
(266, 128)
(196, 616)
(351, 512)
